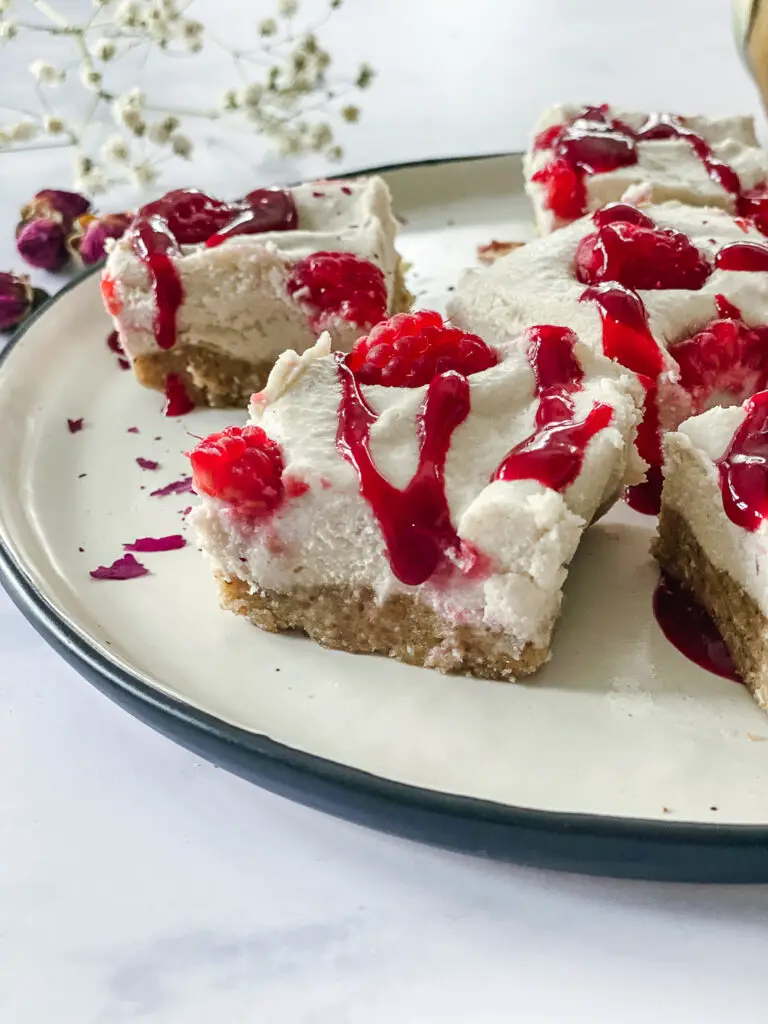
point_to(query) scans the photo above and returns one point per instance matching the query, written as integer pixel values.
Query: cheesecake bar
(582, 158)
(420, 497)
(207, 294)
(713, 528)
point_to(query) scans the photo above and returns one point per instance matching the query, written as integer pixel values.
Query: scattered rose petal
(81, 550)
(185, 511)
(132, 430)
(148, 463)
(495, 250)
(183, 486)
(75, 425)
(125, 568)
(171, 543)
(124, 364)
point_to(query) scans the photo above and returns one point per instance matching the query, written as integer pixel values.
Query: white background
(139, 884)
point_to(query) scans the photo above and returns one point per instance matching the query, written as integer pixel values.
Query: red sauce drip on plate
(416, 521)
(743, 467)
(554, 452)
(689, 628)
(190, 217)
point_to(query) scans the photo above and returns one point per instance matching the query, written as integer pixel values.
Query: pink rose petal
(75, 425)
(183, 486)
(171, 543)
(125, 568)
(147, 463)
(132, 430)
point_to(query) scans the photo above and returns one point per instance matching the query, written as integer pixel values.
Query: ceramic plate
(619, 756)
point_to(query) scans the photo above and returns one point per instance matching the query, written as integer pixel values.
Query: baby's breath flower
(229, 100)
(101, 3)
(181, 145)
(8, 30)
(4, 5)
(45, 73)
(287, 8)
(158, 133)
(251, 95)
(351, 113)
(319, 136)
(192, 30)
(335, 4)
(4, 138)
(23, 131)
(364, 76)
(53, 125)
(104, 49)
(115, 148)
(143, 173)
(129, 14)
(90, 79)
(267, 27)
(93, 181)
(335, 153)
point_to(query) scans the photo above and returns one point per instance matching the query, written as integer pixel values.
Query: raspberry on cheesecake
(421, 496)
(206, 294)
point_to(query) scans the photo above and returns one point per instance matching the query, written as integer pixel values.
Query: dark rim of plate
(89, 657)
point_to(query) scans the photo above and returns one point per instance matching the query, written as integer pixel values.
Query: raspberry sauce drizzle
(627, 339)
(554, 453)
(416, 521)
(690, 629)
(743, 467)
(154, 245)
(749, 256)
(190, 217)
(593, 143)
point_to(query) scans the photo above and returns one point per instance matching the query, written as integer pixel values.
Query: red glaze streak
(743, 468)
(415, 521)
(554, 452)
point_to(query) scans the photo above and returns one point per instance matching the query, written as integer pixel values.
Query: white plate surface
(617, 724)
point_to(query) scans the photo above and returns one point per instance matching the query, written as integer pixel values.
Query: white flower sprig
(283, 91)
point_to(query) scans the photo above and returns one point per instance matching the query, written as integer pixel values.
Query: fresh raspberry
(339, 285)
(410, 349)
(640, 257)
(241, 466)
(566, 194)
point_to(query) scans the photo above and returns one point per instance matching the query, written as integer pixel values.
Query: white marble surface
(139, 884)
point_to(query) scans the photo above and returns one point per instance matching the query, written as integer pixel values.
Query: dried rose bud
(17, 300)
(42, 243)
(89, 234)
(55, 204)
